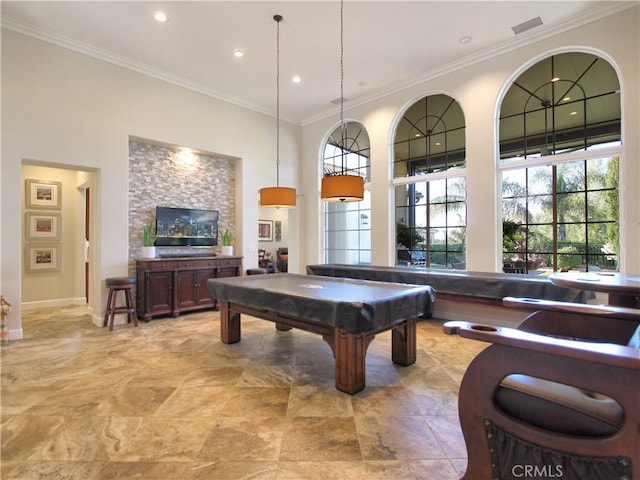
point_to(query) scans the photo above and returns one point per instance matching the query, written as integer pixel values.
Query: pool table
(347, 313)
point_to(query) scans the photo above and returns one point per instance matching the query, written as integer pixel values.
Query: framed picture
(265, 230)
(278, 230)
(43, 194)
(43, 258)
(42, 226)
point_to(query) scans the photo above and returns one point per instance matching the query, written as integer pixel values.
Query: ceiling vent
(528, 25)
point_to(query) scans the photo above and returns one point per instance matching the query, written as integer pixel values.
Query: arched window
(560, 146)
(347, 226)
(430, 186)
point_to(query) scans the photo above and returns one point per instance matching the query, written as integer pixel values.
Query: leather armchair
(557, 397)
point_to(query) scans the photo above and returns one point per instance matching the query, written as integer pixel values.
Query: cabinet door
(187, 295)
(160, 293)
(202, 291)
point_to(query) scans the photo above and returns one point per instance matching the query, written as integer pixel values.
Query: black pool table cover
(353, 305)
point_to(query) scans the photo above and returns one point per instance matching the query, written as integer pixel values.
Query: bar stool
(116, 284)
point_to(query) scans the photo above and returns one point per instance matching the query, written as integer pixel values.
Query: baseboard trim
(15, 334)
(57, 302)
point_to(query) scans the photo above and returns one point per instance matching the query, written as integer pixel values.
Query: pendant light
(278, 197)
(342, 187)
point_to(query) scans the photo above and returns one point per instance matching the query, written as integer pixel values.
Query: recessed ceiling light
(160, 17)
(555, 79)
(238, 53)
(465, 39)
(566, 99)
(574, 113)
(296, 79)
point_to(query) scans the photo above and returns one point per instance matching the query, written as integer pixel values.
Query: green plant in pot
(407, 237)
(226, 238)
(148, 242)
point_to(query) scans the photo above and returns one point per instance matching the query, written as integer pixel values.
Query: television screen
(186, 227)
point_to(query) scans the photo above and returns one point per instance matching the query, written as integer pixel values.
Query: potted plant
(227, 239)
(148, 242)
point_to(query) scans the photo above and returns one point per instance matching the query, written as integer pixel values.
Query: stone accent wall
(176, 177)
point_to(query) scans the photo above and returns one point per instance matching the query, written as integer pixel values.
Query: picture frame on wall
(43, 226)
(42, 258)
(265, 230)
(43, 194)
(277, 231)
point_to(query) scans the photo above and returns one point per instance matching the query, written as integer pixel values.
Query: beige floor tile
(169, 401)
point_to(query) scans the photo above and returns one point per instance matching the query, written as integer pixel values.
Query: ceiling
(388, 45)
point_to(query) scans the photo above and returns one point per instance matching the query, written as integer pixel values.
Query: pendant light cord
(343, 132)
(278, 19)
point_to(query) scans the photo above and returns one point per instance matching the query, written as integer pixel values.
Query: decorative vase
(148, 252)
(226, 250)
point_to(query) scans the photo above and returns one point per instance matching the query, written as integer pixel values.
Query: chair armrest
(604, 353)
(578, 321)
(571, 307)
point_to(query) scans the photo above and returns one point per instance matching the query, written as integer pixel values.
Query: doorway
(66, 281)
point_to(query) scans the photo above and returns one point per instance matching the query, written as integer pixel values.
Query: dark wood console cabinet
(176, 285)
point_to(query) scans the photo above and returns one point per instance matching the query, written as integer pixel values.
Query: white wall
(62, 108)
(478, 88)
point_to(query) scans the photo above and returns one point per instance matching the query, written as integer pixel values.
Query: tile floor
(169, 401)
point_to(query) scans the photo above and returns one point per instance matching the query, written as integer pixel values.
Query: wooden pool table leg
(282, 327)
(404, 343)
(229, 324)
(349, 351)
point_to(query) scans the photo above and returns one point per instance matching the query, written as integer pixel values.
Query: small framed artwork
(44, 226)
(43, 258)
(278, 230)
(43, 194)
(265, 230)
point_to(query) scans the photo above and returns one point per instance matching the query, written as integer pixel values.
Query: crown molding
(106, 56)
(522, 40)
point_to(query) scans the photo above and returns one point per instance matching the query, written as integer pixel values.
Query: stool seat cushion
(559, 408)
(113, 281)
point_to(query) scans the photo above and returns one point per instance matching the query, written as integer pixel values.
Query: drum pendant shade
(278, 197)
(342, 188)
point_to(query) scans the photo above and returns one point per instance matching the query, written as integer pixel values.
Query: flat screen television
(186, 227)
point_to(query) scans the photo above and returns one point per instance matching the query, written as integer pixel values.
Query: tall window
(347, 226)
(559, 153)
(430, 186)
